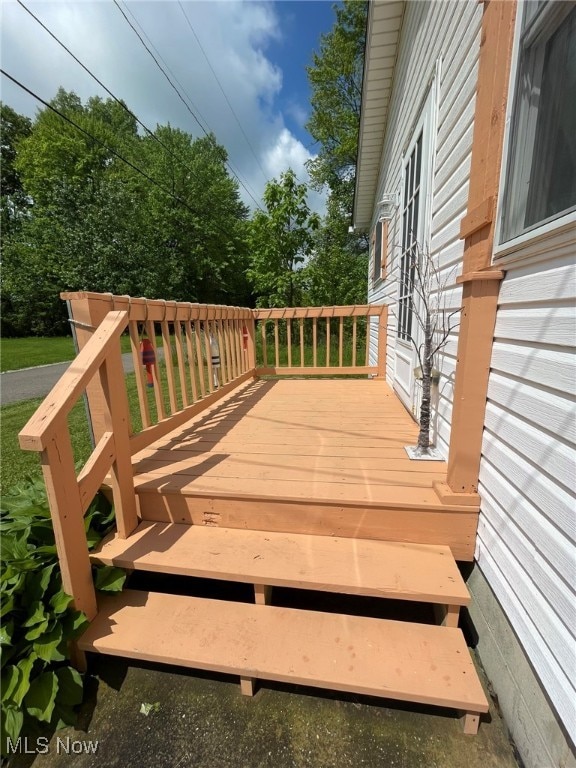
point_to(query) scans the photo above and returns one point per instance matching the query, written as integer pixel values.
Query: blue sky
(258, 50)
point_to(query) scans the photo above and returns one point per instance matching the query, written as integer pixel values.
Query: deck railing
(69, 495)
(321, 341)
(185, 379)
(200, 353)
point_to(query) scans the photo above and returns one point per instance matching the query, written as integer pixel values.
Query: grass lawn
(16, 464)
(37, 350)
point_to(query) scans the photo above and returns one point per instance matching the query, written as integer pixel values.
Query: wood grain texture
(350, 566)
(398, 660)
(305, 456)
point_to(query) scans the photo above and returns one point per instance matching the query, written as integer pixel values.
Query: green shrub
(37, 620)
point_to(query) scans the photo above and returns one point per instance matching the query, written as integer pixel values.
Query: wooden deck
(307, 456)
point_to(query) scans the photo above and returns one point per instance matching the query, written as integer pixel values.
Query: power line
(108, 91)
(179, 94)
(222, 89)
(107, 147)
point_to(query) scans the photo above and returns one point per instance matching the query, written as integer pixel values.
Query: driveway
(28, 383)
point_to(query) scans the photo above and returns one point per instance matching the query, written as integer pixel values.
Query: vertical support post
(480, 283)
(122, 472)
(470, 722)
(68, 521)
(262, 594)
(382, 342)
(247, 686)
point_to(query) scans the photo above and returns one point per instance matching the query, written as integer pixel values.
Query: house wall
(450, 31)
(526, 545)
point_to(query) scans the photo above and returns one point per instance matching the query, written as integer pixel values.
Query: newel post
(67, 515)
(117, 419)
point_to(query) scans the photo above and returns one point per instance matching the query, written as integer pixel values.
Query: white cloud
(235, 36)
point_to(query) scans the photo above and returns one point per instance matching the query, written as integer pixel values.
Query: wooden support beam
(481, 284)
(262, 594)
(470, 722)
(247, 686)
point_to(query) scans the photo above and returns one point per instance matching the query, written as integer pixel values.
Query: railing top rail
(282, 313)
(159, 310)
(37, 432)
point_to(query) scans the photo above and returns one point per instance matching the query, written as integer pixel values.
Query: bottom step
(391, 659)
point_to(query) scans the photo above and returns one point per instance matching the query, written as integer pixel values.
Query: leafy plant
(37, 619)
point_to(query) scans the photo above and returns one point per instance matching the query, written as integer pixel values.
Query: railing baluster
(208, 355)
(341, 343)
(158, 396)
(167, 345)
(238, 346)
(315, 342)
(199, 358)
(223, 359)
(368, 325)
(354, 323)
(140, 374)
(276, 344)
(302, 360)
(264, 348)
(327, 342)
(180, 358)
(191, 360)
(229, 347)
(289, 340)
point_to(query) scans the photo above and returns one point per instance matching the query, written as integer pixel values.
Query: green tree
(96, 223)
(337, 273)
(336, 81)
(14, 202)
(280, 240)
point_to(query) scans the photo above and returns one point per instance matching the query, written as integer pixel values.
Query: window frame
(542, 24)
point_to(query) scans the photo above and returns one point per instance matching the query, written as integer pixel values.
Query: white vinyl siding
(432, 31)
(526, 542)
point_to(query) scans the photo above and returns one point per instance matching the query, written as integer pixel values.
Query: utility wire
(235, 172)
(108, 147)
(222, 89)
(108, 91)
(179, 94)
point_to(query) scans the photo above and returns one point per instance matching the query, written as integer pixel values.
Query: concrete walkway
(202, 721)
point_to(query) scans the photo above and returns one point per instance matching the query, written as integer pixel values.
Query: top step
(403, 571)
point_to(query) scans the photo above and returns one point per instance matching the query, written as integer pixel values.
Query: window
(380, 245)
(410, 234)
(541, 173)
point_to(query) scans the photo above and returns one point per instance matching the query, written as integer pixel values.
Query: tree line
(90, 203)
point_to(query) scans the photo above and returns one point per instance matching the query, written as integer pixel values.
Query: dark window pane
(552, 186)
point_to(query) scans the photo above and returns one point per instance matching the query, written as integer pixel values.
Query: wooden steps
(447, 525)
(303, 456)
(390, 659)
(349, 566)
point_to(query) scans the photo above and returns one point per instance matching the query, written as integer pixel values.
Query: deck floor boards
(320, 440)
